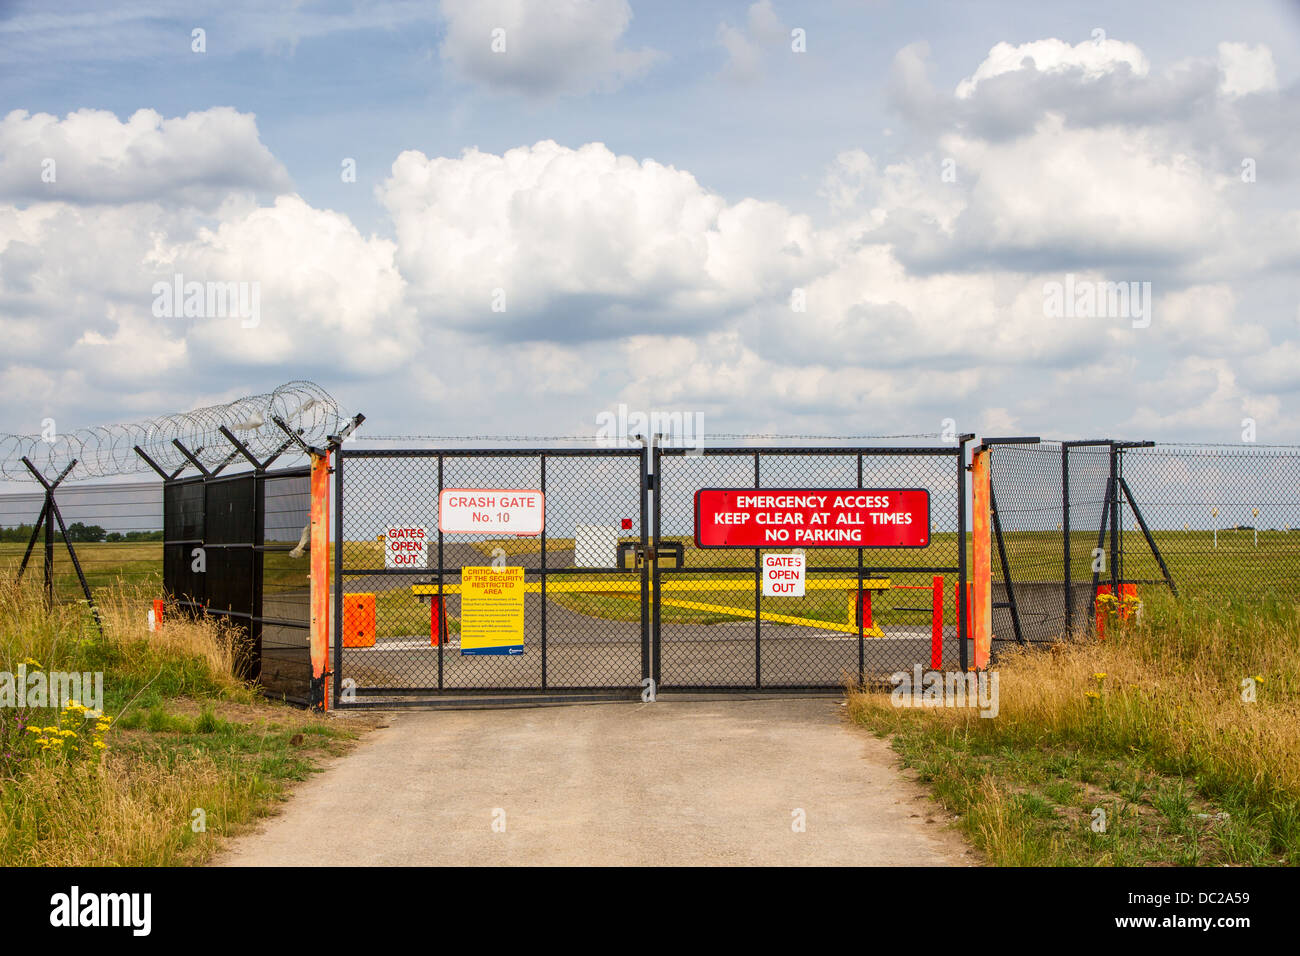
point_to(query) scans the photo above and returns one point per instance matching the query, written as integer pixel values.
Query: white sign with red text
(495, 511)
(406, 546)
(783, 575)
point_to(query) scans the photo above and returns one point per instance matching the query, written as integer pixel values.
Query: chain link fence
(1074, 519)
(115, 529)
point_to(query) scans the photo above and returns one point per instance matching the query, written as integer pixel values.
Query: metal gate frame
(862, 570)
(652, 545)
(481, 695)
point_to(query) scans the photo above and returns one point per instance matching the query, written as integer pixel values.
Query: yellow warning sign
(491, 611)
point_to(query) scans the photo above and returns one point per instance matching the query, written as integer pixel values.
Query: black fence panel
(234, 548)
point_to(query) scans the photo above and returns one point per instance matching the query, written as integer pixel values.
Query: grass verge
(1175, 741)
(187, 753)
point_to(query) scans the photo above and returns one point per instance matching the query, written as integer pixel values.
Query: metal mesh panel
(715, 629)
(1226, 521)
(688, 617)
(284, 597)
(116, 529)
(584, 627)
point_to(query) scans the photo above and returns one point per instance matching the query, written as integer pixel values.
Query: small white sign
(783, 575)
(595, 546)
(494, 511)
(406, 546)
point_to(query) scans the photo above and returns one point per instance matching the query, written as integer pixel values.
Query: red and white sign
(498, 511)
(783, 575)
(406, 546)
(812, 517)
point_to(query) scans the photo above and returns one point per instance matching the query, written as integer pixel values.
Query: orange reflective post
(320, 577)
(982, 605)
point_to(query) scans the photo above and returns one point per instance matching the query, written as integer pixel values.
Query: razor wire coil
(104, 451)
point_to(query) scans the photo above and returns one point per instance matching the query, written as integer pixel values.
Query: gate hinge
(650, 481)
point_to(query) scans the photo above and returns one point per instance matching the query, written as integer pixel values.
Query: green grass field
(1236, 569)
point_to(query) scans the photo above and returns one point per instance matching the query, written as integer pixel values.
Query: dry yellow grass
(1169, 694)
(135, 805)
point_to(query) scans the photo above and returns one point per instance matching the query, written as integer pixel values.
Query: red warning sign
(812, 517)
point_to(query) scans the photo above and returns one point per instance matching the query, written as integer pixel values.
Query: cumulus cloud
(536, 49)
(90, 156)
(1089, 60)
(581, 243)
(583, 277)
(79, 303)
(1246, 69)
(746, 45)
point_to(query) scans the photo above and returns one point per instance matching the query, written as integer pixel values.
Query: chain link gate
(618, 599)
(866, 613)
(397, 629)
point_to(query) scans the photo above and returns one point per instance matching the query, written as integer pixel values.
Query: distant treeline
(80, 533)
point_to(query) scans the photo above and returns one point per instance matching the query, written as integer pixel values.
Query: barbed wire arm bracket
(353, 424)
(193, 458)
(45, 508)
(156, 467)
(295, 438)
(242, 449)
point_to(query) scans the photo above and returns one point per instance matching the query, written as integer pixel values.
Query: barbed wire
(102, 451)
(684, 438)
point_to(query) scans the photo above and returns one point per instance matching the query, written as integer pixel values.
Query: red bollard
(862, 610)
(936, 626)
(437, 616)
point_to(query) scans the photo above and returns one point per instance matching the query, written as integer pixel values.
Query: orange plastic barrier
(1125, 591)
(358, 620)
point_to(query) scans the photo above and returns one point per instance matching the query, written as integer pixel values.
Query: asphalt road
(675, 782)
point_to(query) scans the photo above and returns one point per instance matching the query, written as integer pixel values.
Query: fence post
(49, 547)
(962, 610)
(1065, 525)
(1114, 518)
(981, 614)
(320, 577)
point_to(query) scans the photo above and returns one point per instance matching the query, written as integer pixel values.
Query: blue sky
(701, 174)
